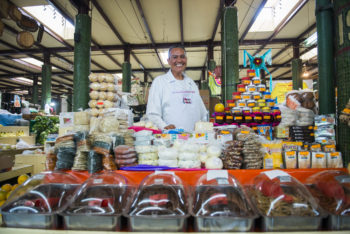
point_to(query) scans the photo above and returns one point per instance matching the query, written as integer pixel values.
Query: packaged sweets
(318, 160)
(334, 160)
(304, 159)
(290, 159)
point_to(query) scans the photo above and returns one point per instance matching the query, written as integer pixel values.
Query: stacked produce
(103, 94)
(125, 156)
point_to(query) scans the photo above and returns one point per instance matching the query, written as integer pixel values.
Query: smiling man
(174, 100)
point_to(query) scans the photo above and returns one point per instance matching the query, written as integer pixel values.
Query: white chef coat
(172, 101)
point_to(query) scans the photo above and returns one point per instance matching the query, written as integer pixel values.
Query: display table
(16, 171)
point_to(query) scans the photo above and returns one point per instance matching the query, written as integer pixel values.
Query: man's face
(177, 60)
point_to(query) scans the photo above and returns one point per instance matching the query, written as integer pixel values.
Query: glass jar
(251, 88)
(238, 117)
(261, 88)
(246, 110)
(256, 95)
(229, 118)
(230, 103)
(246, 95)
(241, 103)
(251, 103)
(267, 115)
(257, 117)
(228, 110)
(245, 80)
(219, 118)
(256, 109)
(236, 96)
(261, 103)
(256, 81)
(235, 110)
(266, 95)
(270, 102)
(241, 88)
(248, 118)
(277, 116)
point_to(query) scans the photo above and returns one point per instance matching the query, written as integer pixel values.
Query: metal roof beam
(284, 22)
(261, 6)
(218, 17)
(138, 3)
(181, 22)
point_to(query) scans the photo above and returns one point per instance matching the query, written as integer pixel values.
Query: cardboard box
(13, 140)
(13, 131)
(205, 94)
(37, 160)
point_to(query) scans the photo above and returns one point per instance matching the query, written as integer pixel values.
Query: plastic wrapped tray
(99, 203)
(291, 223)
(37, 202)
(220, 204)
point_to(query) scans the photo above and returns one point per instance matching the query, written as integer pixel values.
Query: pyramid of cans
(251, 105)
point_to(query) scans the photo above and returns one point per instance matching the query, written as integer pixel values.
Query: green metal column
(204, 81)
(35, 90)
(342, 55)
(212, 65)
(296, 74)
(126, 77)
(229, 51)
(325, 35)
(82, 41)
(46, 81)
(70, 102)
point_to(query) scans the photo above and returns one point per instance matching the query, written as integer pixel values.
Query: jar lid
(266, 109)
(261, 100)
(266, 93)
(230, 101)
(261, 85)
(256, 78)
(236, 93)
(245, 78)
(227, 108)
(251, 101)
(241, 85)
(256, 109)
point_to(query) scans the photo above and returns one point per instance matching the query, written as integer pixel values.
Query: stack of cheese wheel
(103, 92)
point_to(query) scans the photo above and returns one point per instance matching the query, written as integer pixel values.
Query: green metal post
(35, 90)
(126, 77)
(296, 74)
(229, 51)
(82, 41)
(325, 35)
(342, 58)
(45, 85)
(212, 65)
(70, 102)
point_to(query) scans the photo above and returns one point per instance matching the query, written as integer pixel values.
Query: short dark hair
(175, 46)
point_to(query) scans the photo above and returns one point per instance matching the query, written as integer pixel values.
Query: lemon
(219, 107)
(2, 195)
(14, 186)
(22, 178)
(2, 202)
(6, 187)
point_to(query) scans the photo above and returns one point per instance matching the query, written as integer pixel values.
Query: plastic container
(256, 95)
(251, 88)
(261, 88)
(160, 204)
(256, 109)
(245, 80)
(219, 118)
(230, 103)
(220, 205)
(270, 102)
(229, 118)
(228, 110)
(241, 88)
(236, 110)
(241, 103)
(236, 96)
(256, 81)
(246, 95)
(251, 103)
(237, 117)
(332, 191)
(266, 95)
(99, 203)
(284, 203)
(257, 117)
(261, 103)
(246, 110)
(38, 201)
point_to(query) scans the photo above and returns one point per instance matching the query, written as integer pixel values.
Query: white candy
(213, 163)
(213, 151)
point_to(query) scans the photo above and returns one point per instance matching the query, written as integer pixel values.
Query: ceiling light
(272, 15)
(311, 40)
(306, 74)
(52, 19)
(22, 80)
(32, 63)
(310, 54)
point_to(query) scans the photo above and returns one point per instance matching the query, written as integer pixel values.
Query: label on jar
(311, 127)
(236, 97)
(334, 154)
(267, 96)
(267, 117)
(231, 105)
(319, 155)
(317, 146)
(248, 118)
(247, 82)
(229, 117)
(241, 104)
(238, 118)
(256, 96)
(251, 104)
(246, 96)
(256, 81)
(252, 89)
(241, 90)
(258, 117)
(262, 89)
(220, 117)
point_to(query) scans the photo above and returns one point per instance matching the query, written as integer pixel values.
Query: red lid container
(245, 80)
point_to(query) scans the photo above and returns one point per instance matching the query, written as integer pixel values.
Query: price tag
(275, 173)
(97, 181)
(215, 174)
(285, 179)
(245, 132)
(164, 172)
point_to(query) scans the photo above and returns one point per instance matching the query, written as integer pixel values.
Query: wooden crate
(37, 160)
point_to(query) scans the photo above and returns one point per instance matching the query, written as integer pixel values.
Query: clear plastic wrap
(220, 204)
(38, 201)
(332, 191)
(281, 199)
(99, 203)
(162, 200)
(232, 155)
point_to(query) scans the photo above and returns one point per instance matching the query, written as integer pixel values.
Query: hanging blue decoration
(259, 62)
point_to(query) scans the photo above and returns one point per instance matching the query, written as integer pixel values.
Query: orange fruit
(219, 107)
(14, 186)
(6, 187)
(22, 178)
